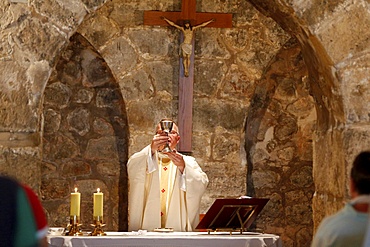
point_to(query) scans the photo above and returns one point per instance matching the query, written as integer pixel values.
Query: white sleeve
(152, 161)
(183, 181)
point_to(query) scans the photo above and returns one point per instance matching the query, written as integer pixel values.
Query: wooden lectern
(232, 214)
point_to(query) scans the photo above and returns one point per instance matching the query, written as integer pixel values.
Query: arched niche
(85, 141)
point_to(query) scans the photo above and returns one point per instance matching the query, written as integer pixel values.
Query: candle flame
(98, 190)
(75, 190)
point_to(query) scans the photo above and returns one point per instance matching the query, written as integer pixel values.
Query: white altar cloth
(171, 239)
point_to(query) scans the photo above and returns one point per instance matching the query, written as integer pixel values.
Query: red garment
(38, 211)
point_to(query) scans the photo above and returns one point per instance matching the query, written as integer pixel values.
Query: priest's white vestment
(144, 193)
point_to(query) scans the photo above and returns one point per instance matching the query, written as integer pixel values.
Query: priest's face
(174, 136)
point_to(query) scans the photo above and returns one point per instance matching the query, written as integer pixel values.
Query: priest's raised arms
(165, 187)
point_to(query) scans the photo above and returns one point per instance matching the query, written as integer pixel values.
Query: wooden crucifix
(187, 16)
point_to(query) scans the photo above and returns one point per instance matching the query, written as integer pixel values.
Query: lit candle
(75, 203)
(98, 203)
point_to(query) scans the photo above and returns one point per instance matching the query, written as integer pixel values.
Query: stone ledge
(18, 1)
(26, 139)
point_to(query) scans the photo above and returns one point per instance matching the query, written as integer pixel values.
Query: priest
(165, 188)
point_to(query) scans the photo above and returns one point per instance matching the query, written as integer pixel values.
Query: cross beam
(188, 13)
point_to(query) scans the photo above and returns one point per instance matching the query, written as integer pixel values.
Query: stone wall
(279, 129)
(339, 79)
(253, 112)
(227, 78)
(85, 138)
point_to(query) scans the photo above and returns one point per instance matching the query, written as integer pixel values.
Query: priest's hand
(177, 159)
(158, 142)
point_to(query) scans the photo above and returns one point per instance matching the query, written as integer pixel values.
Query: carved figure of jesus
(186, 47)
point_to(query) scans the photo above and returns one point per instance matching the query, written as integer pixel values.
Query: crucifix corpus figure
(186, 46)
(186, 76)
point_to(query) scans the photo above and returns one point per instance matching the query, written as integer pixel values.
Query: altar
(226, 223)
(168, 239)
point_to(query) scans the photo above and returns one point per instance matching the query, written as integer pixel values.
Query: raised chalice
(166, 126)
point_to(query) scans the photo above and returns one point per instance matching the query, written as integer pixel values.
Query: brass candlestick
(98, 224)
(74, 226)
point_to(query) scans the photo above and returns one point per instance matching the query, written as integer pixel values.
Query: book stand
(232, 214)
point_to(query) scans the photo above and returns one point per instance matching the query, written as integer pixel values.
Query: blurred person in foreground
(22, 216)
(349, 226)
(165, 189)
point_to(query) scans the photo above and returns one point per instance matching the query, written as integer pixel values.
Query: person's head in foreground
(350, 225)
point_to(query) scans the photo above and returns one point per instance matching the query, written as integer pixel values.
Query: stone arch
(326, 101)
(223, 140)
(325, 88)
(323, 82)
(35, 31)
(85, 137)
(278, 144)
